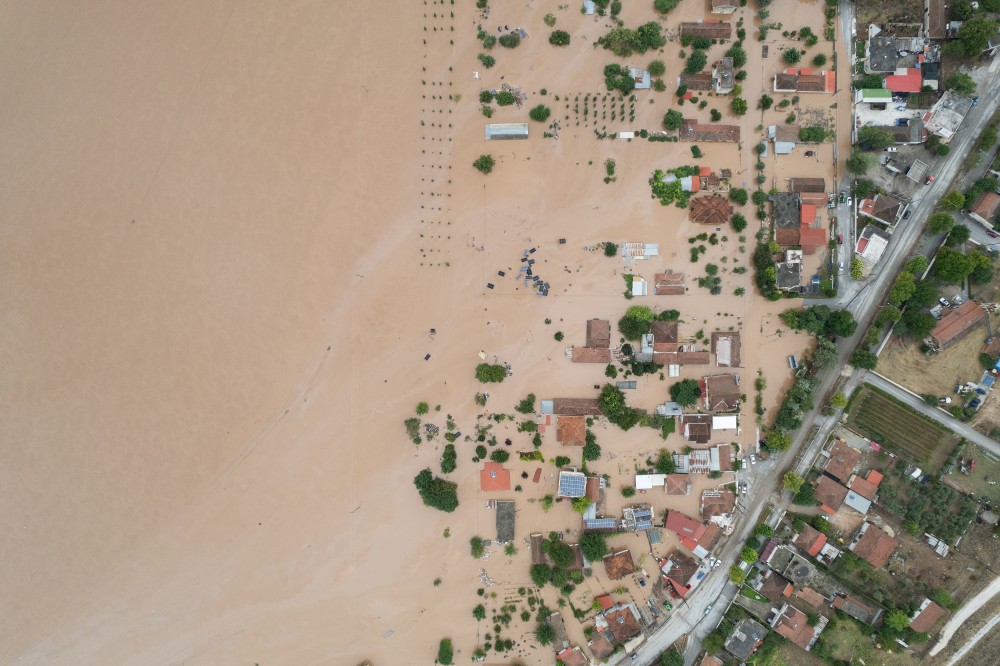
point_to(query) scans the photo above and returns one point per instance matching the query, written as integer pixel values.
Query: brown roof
(875, 546)
(810, 596)
(692, 130)
(711, 535)
(600, 647)
(668, 284)
(785, 132)
(956, 321)
(493, 477)
(572, 657)
(722, 393)
(794, 625)
(696, 428)
(716, 29)
(725, 458)
(813, 198)
(693, 358)
(598, 333)
(664, 331)
(591, 355)
(927, 618)
(619, 564)
(699, 81)
(786, 236)
(717, 503)
(678, 484)
(571, 430)
(830, 494)
(710, 660)
(774, 587)
(576, 406)
(800, 82)
(810, 540)
(734, 346)
(882, 207)
(808, 185)
(713, 209)
(623, 624)
(986, 205)
(863, 487)
(537, 554)
(843, 460)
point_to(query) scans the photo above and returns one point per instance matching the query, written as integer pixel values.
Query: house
(883, 208)
(641, 78)
(984, 208)
(841, 460)
(692, 130)
(905, 80)
(867, 488)
(600, 646)
(632, 252)
(572, 484)
(793, 624)
(598, 347)
(856, 608)
(746, 637)
(830, 495)
(687, 529)
(807, 185)
(881, 53)
(785, 213)
(664, 331)
(956, 321)
(494, 478)
(810, 541)
(571, 430)
(506, 131)
(926, 617)
(572, 407)
(505, 521)
(621, 622)
(722, 392)
(678, 484)
(788, 275)
(723, 74)
(805, 81)
(572, 657)
(726, 347)
(873, 545)
(911, 132)
(696, 428)
(792, 566)
(649, 481)
(712, 29)
(702, 81)
(620, 564)
(877, 98)
(725, 422)
(872, 244)
(947, 114)
(700, 461)
(812, 235)
(637, 518)
(680, 573)
(717, 504)
(724, 6)
(713, 209)
(668, 284)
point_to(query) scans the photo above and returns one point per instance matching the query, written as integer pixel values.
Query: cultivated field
(937, 374)
(897, 427)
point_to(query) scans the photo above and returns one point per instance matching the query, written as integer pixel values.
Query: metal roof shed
(506, 131)
(783, 147)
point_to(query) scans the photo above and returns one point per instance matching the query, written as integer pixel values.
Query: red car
(840, 239)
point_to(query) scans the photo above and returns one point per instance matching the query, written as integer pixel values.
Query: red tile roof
(571, 430)
(927, 618)
(807, 214)
(678, 484)
(986, 205)
(830, 494)
(843, 460)
(811, 540)
(684, 526)
(875, 546)
(605, 601)
(494, 478)
(863, 487)
(619, 564)
(794, 625)
(910, 82)
(956, 321)
(591, 355)
(714, 209)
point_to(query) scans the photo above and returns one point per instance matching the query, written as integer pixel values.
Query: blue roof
(988, 382)
(600, 524)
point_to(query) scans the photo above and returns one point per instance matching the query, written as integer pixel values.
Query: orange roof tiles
(494, 478)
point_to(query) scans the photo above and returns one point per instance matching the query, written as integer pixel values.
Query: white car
(753, 459)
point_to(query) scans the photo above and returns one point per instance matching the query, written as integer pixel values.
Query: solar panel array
(641, 525)
(572, 486)
(600, 524)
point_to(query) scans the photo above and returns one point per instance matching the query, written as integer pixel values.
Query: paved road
(915, 402)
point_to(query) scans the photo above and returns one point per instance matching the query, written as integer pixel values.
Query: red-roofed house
(807, 214)
(830, 495)
(572, 657)
(605, 601)
(494, 478)
(907, 80)
(873, 545)
(926, 617)
(867, 488)
(810, 540)
(793, 624)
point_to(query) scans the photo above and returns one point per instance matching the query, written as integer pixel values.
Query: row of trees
(623, 41)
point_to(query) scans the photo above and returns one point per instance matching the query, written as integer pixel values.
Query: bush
(739, 195)
(559, 38)
(476, 547)
(738, 106)
(490, 373)
(819, 60)
(448, 459)
(445, 652)
(672, 120)
(791, 56)
(541, 574)
(716, 116)
(657, 68)
(487, 60)
(511, 40)
(813, 134)
(739, 222)
(505, 98)
(628, 491)
(550, 20)
(664, 6)
(499, 455)
(484, 164)
(540, 113)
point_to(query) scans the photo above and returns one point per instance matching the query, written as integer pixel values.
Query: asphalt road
(716, 590)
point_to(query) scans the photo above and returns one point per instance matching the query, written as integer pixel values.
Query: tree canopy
(864, 359)
(954, 200)
(973, 37)
(484, 163)
(559, 38)
(615, 408)
(490, 373)
(858, 162)
(874, 138)
(820, 320)
(672, 120)
(635, 322)
(540, 113)
(624, 41)
(436, 492)
(593, 546)
(961, 83)
(671, 658)
(685, 392)
(940, 223)
(792, 482)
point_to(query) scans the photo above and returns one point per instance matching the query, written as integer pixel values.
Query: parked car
(992, 234)
(743, 487)
(892, 150)
(849, 201)
(944, 301)
(840, 238)
(840, 269)
(928, 180)
(708, 609)
(906, 215)
(642, 582)
(753, 459)
(945, 401)
(975, 100)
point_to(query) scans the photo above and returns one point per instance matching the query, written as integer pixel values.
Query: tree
(511, 40)
(819, 60)
(685, 392)
(618, 78)
(792, 482)
(739, 222)
(656, 68)
(902, 288)
(479, 612)
(559, 38)
(940, 223)
(499, 455)
(540, 574)
(672, 120)
(961, 83)
(591, 450)
(959, 234)
(488, 373)
(952, 266)
(664, 6)
(954, 200)
(696, 62)
(593, 546)
(897, 620)
(987, 138)
(436, 492)
(825, 354)
(840, 323)
(581, 504)
(858, 162)
(540, 113)
(736, 574)
(738, 106)
(665, 463)
(813, 134)
(739, 195)
(917, 265)
(864, 359)
(839, 400)
(738, 55)
(764, 530)
(973, 38)
(748, 555)
(544, 633)
(526, 406)
(874, 138)
(614, 407)
(696, 152)
(445, 652)
(791, 55)
(982, 269)
(505, 98)
(476, 547)
(778, 441)
(857, 269)
(448, 459)
(484, 163)
(672, 658)
(636, 322)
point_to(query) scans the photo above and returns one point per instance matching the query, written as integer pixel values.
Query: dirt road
(963, 614)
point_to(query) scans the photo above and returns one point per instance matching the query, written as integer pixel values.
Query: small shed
(506, 131)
